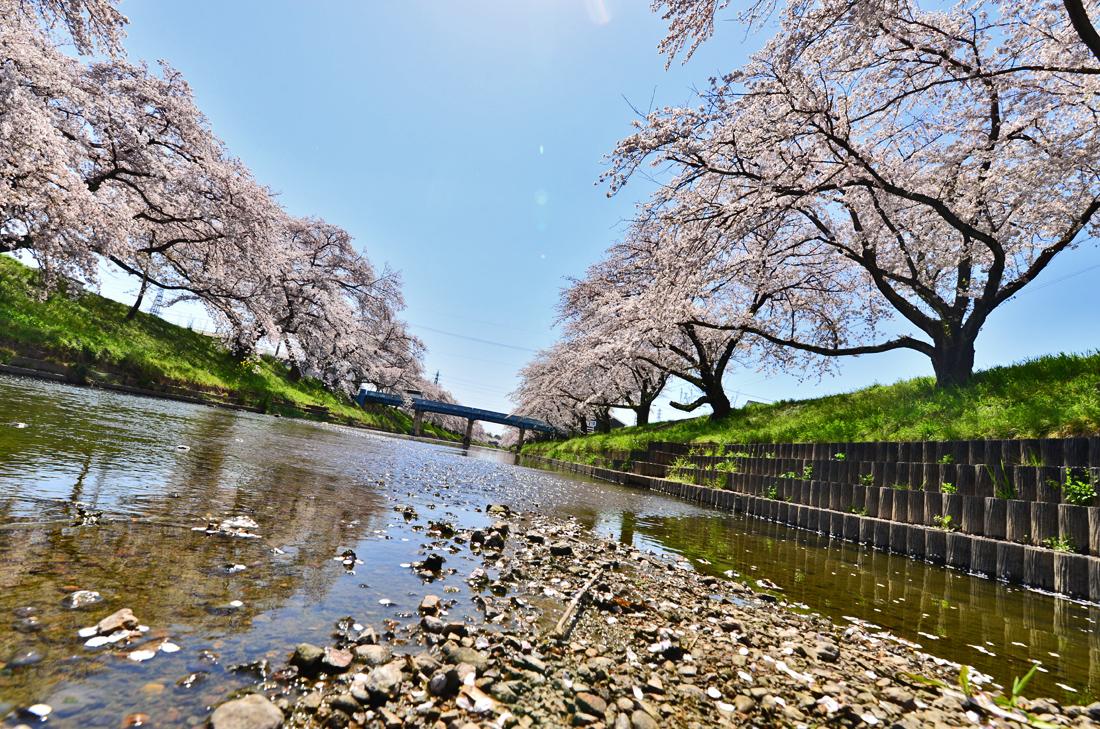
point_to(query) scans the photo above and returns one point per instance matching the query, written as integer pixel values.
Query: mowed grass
(1052, 396)
(88, 330)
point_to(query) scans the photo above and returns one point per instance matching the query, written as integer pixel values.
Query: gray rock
(455, 653)
(250, 712)
(444, 683)
(590, 704)
(430, 605)
(432, 624)
(825, 651)
(308, 657)
(345, 703)
(336, 660)
(641, 720)
(373, 655)
(381, 683)
(560, 549)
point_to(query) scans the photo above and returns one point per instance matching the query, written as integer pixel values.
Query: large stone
(121, 620)
(380, 684)
(250, 712)
(591, 704)
(336, 660)
(560, 549)
(430, 605)
(373, 655)
(307, 657)
(455, 653)
(641, 720)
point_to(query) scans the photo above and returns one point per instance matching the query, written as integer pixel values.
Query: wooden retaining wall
(870, 496)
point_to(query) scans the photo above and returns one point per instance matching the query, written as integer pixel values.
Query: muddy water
(158, 470)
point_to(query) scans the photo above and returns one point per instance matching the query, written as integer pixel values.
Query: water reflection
(315, 490)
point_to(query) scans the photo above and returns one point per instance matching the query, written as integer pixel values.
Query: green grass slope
(88, 332)
(1052, 396)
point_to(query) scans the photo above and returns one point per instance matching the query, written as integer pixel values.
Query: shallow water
(316, 490)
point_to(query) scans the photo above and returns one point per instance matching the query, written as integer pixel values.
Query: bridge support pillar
(519, 442)
(418, 422)
(469, 437)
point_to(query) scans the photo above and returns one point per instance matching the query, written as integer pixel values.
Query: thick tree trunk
(953, 361)
(603, 422)
(642, 411)
(719, 403)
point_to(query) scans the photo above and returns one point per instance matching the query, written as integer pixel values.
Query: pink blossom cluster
(875, 160)
(111, 161)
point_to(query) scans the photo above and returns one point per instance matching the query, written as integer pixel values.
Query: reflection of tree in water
(897, 593)
(627, 523)
(171, 575)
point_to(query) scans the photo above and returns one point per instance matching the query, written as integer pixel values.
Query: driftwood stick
(559, 629)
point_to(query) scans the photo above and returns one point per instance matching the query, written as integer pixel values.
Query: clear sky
(460, 143)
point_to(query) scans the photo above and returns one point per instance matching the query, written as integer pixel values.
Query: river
(161, 471)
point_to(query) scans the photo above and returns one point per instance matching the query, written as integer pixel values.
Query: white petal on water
(142, 655)
(169, 647)
(97, 641)
(1066, 688)
(40, 710)
(87, 632)
(385, 602)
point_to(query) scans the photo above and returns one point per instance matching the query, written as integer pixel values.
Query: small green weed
(1060, 544)
(948, 488)
(945, 522)
(1076, 489)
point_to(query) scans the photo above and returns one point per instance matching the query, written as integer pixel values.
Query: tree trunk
(953, 360)
(137, 303)
(719, 403)
(642, 411)
(603, 422)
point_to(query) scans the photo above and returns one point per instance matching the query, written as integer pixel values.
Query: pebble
(80, 599)
(250, 712)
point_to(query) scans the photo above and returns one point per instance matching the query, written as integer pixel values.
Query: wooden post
(468, 438)
(418, 421)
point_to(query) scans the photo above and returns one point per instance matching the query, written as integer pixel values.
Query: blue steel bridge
(421, 405)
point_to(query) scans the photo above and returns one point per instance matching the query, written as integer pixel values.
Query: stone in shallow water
(430, 605)
(80, 599)
(307, 656)
(250, 712)
(122, 620)
(25, 658)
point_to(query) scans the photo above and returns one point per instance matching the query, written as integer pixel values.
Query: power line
(473, 339)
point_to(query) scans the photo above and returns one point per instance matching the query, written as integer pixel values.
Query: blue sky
(460, 142)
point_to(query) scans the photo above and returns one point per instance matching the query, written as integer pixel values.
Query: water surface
(157, 470)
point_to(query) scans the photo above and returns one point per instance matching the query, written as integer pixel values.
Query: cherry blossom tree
(947, 156)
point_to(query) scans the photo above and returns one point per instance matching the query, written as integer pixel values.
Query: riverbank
(82, 338)
(1053, 396)
(576, 631)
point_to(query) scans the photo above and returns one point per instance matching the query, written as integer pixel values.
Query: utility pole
(437, 377)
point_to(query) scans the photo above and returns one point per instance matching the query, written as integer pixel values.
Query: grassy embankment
(89, 334)
(1052, 396)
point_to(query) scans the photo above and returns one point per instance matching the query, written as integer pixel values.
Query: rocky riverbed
(575, 631)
